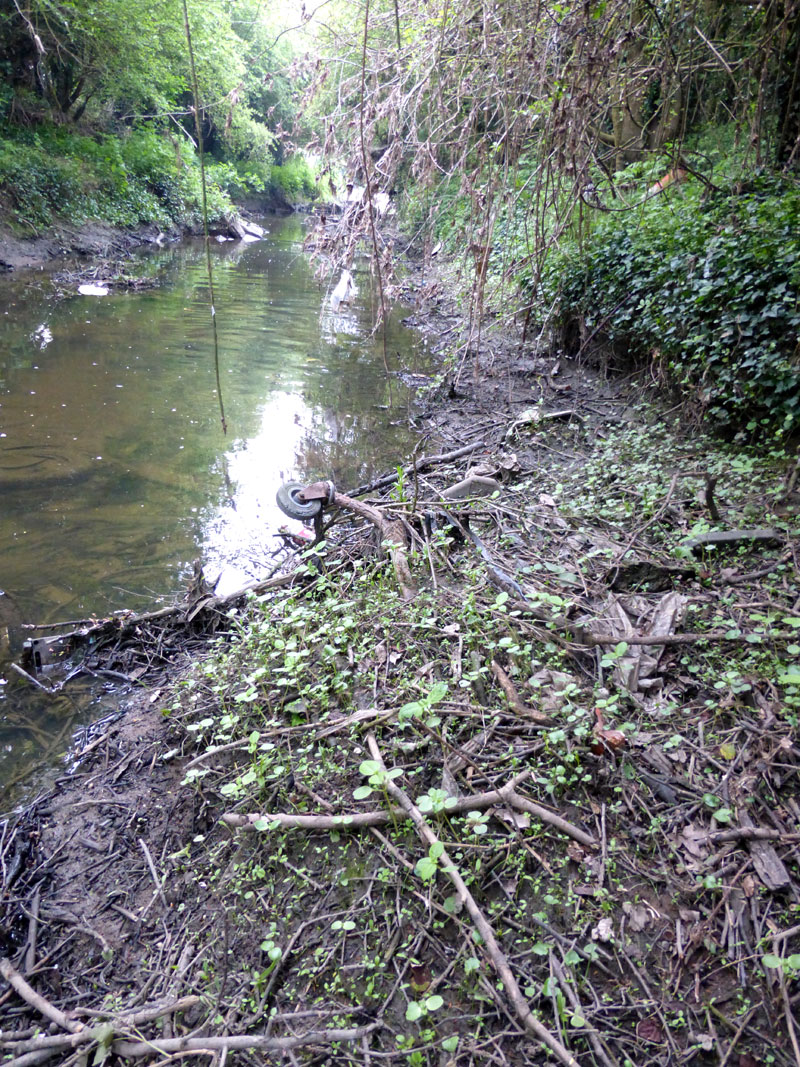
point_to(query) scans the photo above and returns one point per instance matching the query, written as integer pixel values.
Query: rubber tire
(288, 501)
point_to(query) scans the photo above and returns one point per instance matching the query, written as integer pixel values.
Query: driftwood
(40, 651)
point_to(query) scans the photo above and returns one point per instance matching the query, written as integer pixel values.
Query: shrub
(705, 283)
(143, 177)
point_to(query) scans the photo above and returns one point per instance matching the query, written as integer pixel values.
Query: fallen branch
(48, 1044)
(507, 794)
(30, 996)
(240, 1042)
(495, 953)
(393, 537)
(44, 1046)
(778, 636)
(515, 702)
(415, 468)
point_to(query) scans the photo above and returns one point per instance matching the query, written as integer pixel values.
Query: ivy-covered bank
(702, 284)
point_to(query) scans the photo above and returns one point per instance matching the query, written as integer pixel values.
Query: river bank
(101, 240)
(548, 800)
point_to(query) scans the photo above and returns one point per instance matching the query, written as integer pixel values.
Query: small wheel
(288, 498)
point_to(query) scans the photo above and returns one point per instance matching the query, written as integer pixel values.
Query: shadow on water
(114, 472)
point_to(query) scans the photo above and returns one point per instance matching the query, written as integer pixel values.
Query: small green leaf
(774, 962)
(362, 792)
(370, 766)
(437, 693)
(722, 815)
(425, 868)
(434, 1003)
(450, 1044)
(414, 1011)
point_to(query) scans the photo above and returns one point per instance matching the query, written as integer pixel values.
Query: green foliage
(36, 182)
(54, 172)
(706, 286)
(73, 77)
(291, 182)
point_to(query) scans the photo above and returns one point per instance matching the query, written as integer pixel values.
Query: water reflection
(114, 473)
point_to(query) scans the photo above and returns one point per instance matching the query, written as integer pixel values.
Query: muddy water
(114, 470)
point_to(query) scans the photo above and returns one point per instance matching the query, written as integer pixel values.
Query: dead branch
(240, 1042)
(495, 953)
(30, 996)
(514, 700)
(507, 794)
(393, 537)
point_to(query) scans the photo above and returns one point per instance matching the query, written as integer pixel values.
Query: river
(115, 473)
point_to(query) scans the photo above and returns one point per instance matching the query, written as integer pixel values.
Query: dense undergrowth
(701, 284)
(50, 174)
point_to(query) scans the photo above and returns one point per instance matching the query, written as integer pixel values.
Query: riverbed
(115, 471)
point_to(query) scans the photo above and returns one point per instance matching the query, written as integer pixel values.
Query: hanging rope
(198, 127)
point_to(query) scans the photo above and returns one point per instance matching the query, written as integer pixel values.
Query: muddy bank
(588, 715)
(90, 239)
(103, 241)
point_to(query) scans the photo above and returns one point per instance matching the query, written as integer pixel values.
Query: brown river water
(114, 471)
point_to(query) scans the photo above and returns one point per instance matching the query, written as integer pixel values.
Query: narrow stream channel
(114, 471)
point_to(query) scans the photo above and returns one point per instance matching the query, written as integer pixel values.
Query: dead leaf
(694, 839)
(747, 1059)
(639, 917)
(516, 819)
(650, 1030)
(575, 852)
(604, 931)
(606, 740)
(419, 977)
